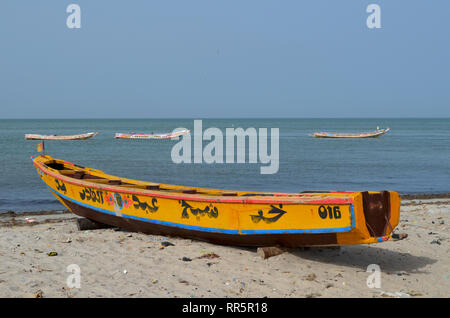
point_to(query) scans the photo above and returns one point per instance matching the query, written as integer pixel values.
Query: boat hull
(246, 219)
(172, 135)
(374, 134)
(288, 240)
(60, 137)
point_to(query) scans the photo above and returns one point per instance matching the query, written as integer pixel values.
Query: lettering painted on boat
(269, 219)
(88, 194)
(152, 208)
(209, 210)
(60, 186)
(329, 212)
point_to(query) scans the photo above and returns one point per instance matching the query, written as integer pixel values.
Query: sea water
(414, 157)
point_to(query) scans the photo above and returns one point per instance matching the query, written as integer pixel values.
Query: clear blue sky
(224, 58)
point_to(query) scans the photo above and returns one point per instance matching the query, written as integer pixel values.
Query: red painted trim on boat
(184, 197)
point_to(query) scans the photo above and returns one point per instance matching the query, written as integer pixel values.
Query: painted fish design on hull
(268, 220)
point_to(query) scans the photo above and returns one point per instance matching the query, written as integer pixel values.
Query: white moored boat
(152, 136)
(60, 137)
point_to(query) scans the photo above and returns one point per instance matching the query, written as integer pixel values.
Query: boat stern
(377, 214)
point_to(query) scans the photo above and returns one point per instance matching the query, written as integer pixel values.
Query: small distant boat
(220, 216)
(152, 136)
(373, 134)
(60, 137)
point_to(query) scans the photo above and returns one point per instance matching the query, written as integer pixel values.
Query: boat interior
(99, 177)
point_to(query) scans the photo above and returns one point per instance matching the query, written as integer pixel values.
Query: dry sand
(118, 263)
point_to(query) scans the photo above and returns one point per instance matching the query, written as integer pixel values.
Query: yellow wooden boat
(220, 216)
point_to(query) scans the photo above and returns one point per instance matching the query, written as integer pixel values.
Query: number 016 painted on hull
(330, 212)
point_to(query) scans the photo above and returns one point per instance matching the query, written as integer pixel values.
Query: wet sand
(119, 263)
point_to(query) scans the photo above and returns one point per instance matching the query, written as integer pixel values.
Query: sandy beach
(35, 254)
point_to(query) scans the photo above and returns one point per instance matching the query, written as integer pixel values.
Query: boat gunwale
(189, 197)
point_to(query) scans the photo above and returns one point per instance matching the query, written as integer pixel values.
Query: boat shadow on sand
(355, 256)
(360, 256)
